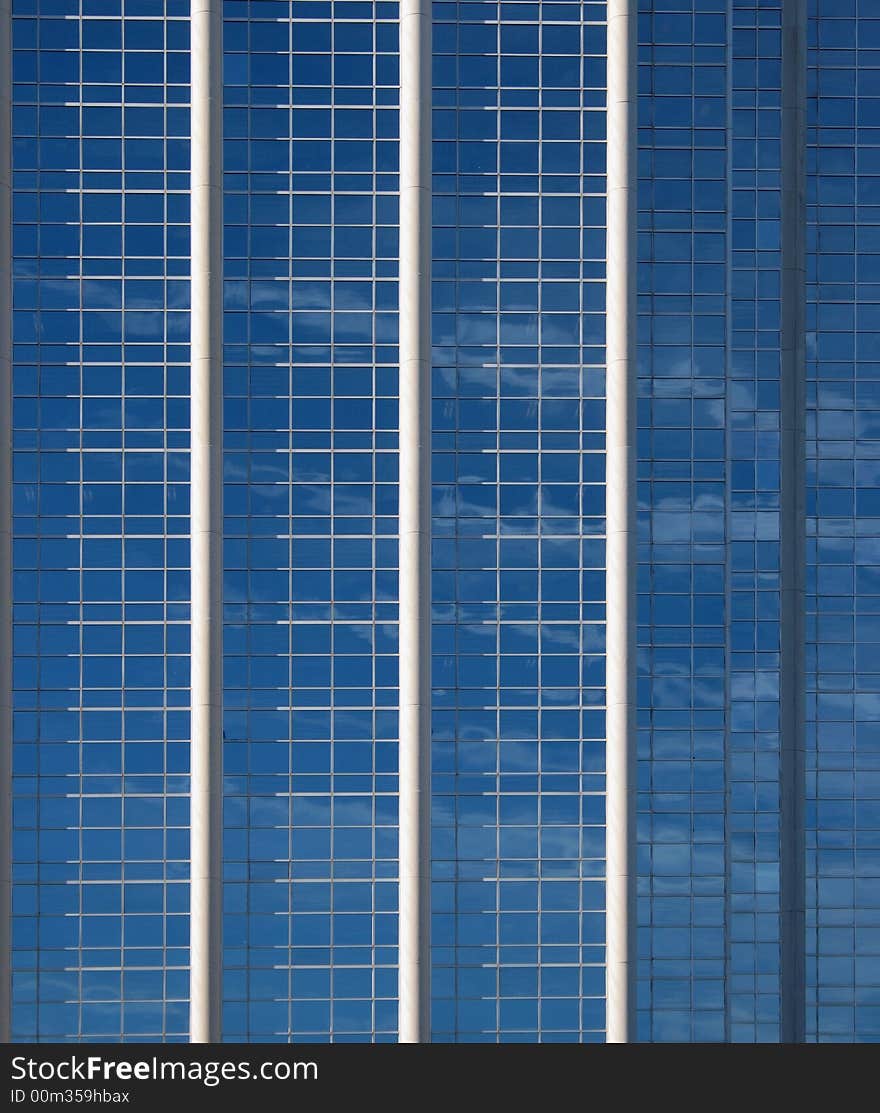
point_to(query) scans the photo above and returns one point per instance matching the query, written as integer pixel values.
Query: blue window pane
(843, 526)
(518, 522)
(101, 548)
(709, 635)
(310, 616)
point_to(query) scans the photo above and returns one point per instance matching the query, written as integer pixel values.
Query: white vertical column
(792, 526)
(415, 522)
(620, 760)
(5, 518)
(206, 497)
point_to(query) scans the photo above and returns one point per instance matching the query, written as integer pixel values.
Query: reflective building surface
(100, 157)
(756, 571)
(710, 276)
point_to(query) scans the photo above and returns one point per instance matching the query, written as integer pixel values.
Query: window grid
(101, 556)
(682, 505)
(311, 92)
(518, 528)
(843, 524)
(100, 520)
(753, 770)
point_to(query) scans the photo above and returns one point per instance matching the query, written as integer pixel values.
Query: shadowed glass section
(683, 505)
(753, 490)
(709, 634)
(843, 523)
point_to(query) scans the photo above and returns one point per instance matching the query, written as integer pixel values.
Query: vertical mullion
(206, 493)
(415, 522)
(620, 761)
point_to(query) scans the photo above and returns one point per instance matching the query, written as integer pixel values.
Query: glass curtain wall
(708, 501)
(101, 519)
(101, 382)
(518, 527)
(310, 362)
(843, 523)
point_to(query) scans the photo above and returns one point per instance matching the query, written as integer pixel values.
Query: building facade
(635, 430)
